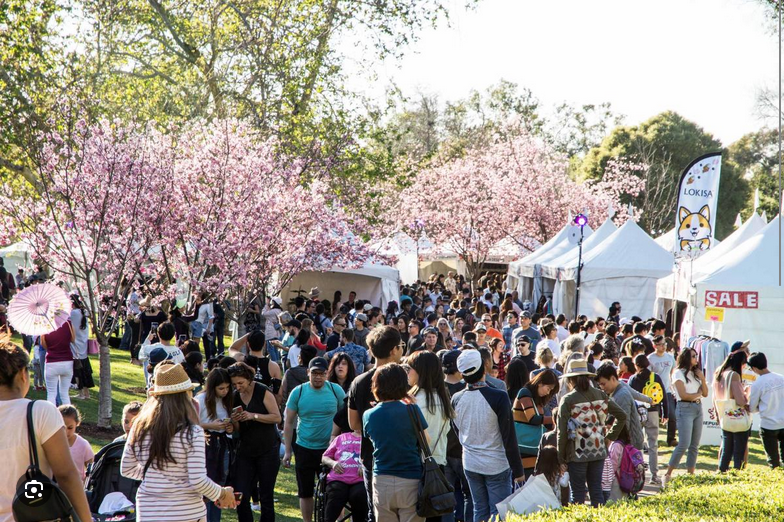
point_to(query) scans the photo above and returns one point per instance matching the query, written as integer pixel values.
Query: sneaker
(655, 481)
(255, 507)
(665, 481)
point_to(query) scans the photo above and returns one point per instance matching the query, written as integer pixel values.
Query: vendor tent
(551, 269)
(16, 256)
(667, 240)
(677, 284)
(378, 284)
(624, 268)
(521, 273)
(746, 286)
(404, 249)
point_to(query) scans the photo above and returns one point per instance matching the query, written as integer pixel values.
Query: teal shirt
(395, 451)
(315, 410)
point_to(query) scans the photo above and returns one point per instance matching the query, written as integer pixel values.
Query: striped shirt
(172, 494)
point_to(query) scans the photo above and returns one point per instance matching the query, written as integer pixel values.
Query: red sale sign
(731, 299)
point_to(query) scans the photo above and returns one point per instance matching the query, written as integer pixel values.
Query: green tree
(756, 155)
(667, 143)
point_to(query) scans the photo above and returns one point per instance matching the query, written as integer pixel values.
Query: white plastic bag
(535, 495)
(503, 506)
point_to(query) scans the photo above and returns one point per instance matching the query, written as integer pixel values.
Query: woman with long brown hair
(341, 370)
(532, 409)
(215, 404)
(165, 450)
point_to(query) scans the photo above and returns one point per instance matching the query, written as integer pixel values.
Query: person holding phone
(689, 387)
(255, 414)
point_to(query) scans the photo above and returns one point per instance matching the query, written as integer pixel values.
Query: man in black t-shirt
(524, 352)
(386, 347)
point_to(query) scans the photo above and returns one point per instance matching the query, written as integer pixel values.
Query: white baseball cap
(469, 362)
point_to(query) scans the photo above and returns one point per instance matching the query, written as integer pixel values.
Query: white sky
(704, 59)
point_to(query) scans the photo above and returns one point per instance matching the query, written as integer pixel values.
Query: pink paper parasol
(39, 309)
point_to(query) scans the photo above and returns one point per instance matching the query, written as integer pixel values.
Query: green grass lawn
(128, 385)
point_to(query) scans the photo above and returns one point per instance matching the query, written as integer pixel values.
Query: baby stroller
(103, 479)
(320, 498)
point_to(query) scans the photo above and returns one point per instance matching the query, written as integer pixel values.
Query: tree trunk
(105, 385)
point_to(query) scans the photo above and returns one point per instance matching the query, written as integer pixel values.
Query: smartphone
(183, 338)
(238, 409)
(238, 496)
(153, 327)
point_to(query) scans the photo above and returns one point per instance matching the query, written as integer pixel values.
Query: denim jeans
(773, 441)
(689, 415)
(487, 491)
(455, 475)
(273, 352)
(733, 447)
(581, 473)
(672, 423)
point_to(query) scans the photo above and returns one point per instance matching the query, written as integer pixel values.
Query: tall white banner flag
(698, 192)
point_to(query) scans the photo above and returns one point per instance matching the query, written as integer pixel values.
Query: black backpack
(37, 497)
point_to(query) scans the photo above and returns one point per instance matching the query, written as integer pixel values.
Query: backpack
(653, 389)
(631, 473)
(37, 496)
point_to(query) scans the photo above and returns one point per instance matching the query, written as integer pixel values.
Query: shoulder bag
(732, 418)
(37, 497)
(436, 496)
(528, 435)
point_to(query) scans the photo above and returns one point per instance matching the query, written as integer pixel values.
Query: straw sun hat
(169, 379)
(577, 367)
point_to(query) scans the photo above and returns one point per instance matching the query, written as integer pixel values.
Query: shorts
(307, 465)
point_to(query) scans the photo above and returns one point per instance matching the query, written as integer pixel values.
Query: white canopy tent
(624, 268)
(745, 284)
(378, 284)
(16, 256)
(521, 273)
(404, 249)
(676, 285)
(667, 240)
(552, 269)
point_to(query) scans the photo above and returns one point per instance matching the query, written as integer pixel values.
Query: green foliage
(667, 143)
(756, 495)
(756, 155)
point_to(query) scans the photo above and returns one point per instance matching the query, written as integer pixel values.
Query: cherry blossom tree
(514, 189)
(94, 219)
(246, 223)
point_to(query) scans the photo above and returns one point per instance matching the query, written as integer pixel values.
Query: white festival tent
(624, 267)
(16, 256)
(376, 283)
(563, 301)
(677, 284)
(521, 273)
(404, 249)
(746, 285)
(667, 240)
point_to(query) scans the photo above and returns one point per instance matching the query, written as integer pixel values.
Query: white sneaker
(255, 507)
(665, 480)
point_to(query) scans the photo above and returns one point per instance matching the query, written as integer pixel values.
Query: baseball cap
(739, 345)
(480, 327)
(522, 339)
(469, 362)
(526, 314)
(361, 317)
(449, 361)
(368, 307)
(318, 363)
(294, 322)
(158, 355)
(277, 300)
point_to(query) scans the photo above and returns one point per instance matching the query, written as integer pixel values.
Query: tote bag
(732, 418)
(528, 435)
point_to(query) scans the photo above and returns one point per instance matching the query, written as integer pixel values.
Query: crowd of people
(503, 391)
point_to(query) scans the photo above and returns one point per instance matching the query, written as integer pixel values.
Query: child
(39, 358)
(130, 411)
(81, 451)
(547, 465)
(610, 487)
(626, 369)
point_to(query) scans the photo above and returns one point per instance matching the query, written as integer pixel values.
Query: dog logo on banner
(698, 193)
